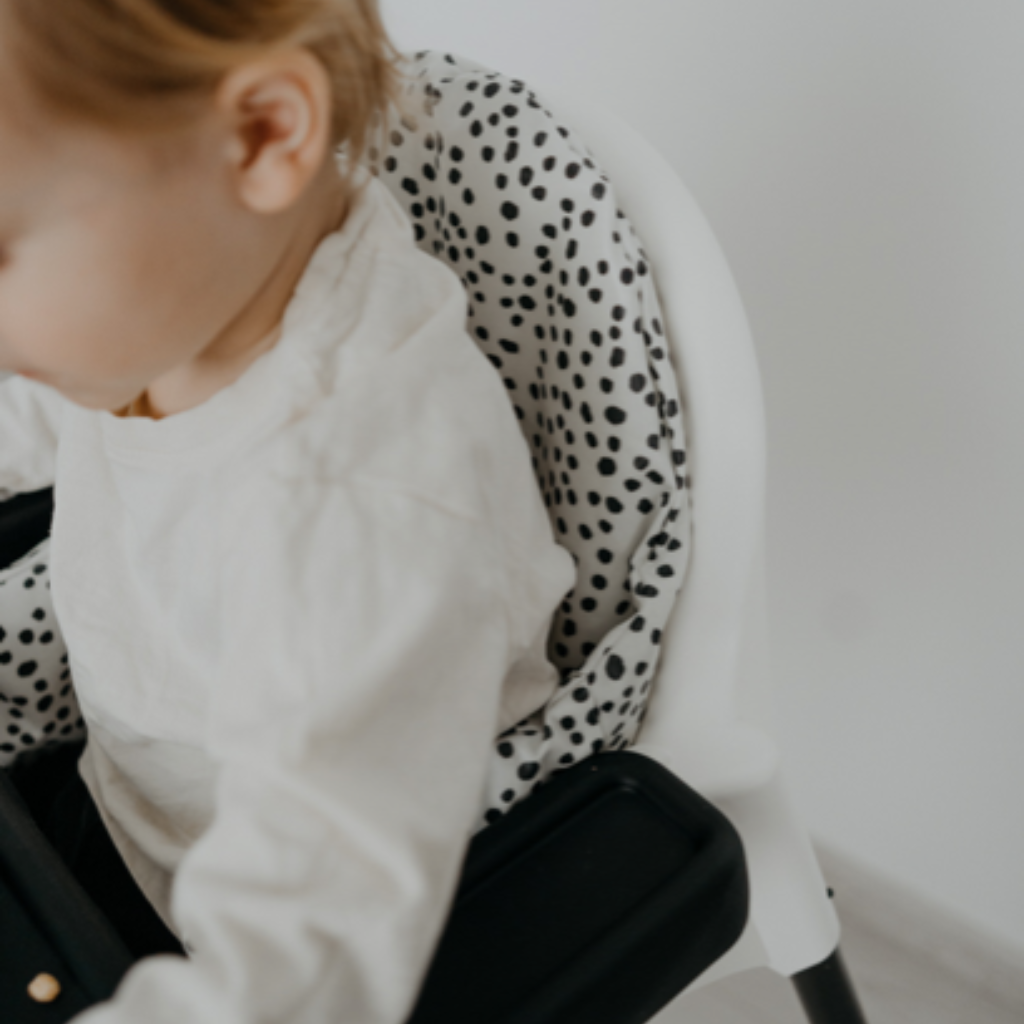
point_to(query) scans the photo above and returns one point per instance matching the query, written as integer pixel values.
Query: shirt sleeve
(366, 648)
(30, 419)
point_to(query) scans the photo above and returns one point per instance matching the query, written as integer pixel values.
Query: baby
(299, 556)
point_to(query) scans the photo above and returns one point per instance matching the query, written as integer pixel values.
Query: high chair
(652, 845)
(709, 717)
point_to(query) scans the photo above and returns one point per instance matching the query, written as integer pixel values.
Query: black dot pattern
(37, 699)
(562, 301)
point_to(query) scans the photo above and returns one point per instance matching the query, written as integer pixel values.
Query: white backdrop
(863, 166)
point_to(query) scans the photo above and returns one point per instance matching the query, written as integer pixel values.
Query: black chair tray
(598, 899)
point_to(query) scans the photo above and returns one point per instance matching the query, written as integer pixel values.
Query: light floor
(896, 985)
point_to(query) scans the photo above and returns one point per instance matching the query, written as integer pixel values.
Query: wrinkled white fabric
(297, 616)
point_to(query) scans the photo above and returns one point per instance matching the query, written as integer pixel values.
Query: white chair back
(711, 711)
(694, 714)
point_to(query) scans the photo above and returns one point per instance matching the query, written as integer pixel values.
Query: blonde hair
(141, 65)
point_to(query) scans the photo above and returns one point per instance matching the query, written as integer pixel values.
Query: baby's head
(166, 167)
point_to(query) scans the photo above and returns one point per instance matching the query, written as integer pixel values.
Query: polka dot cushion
(562, 302)
(37, 702)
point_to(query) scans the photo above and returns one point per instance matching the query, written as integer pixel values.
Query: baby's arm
(30, 419)
(367, 647)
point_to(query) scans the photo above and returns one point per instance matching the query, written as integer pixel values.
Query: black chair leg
(827, 993)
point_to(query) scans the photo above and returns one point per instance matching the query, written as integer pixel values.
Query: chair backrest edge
(720, 384)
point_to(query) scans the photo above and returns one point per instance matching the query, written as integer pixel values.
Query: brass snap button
(44, 988)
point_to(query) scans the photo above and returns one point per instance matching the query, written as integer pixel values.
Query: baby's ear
(278, 113)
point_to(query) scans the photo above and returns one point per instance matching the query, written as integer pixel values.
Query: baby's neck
(170, 395)
(256, 328)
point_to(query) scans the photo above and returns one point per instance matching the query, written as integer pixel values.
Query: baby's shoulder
(429, 417)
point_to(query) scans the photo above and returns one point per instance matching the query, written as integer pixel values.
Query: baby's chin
(92, 400)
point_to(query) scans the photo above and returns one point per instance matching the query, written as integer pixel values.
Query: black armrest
(25, 522)
(598, 899)
(48, 925)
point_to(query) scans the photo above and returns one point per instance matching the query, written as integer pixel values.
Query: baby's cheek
(34, 320)
(53, 327)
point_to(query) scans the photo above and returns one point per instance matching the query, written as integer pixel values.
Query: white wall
(862, 164)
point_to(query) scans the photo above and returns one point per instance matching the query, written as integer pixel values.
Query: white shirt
(297, 616)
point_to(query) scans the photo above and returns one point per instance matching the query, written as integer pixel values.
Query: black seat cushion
(25, 522)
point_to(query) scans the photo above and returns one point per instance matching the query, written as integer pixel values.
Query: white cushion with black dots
(562, 302)
(37, 701)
